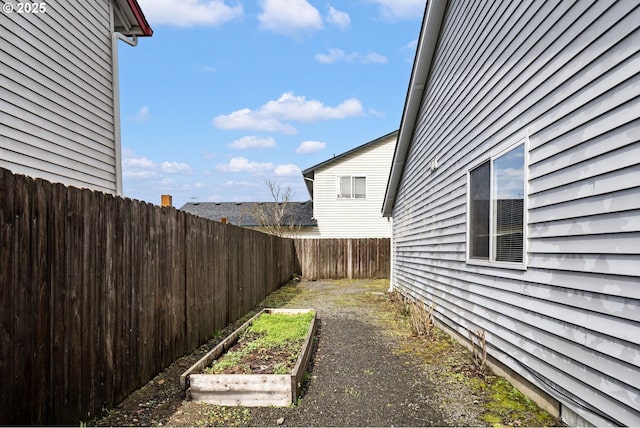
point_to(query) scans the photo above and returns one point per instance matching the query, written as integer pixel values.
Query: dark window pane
(509, 236)
(480, 196)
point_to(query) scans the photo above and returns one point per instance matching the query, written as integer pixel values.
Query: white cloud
(287, 170)
(142, 115)
(241, 164)
(373, 58)
(412, 45)
(140, 167)
(252, 142)
(335, 55)
(409, 50)
(340, 19)
(137, 167)
(204, 68)
(253, 120)
(231, 183)
(292, 18)
(175, 168)
(375, 113)
(289, 107)
(331, 57)
(187, 13)
(310, 147)
(130, 160)
(401, 9)
(292, 107)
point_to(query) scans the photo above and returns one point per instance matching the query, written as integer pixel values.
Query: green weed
(270, 331)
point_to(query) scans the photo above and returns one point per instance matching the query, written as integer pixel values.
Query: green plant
(210, 415)
(281, 327)
(281, 368)
(270, 332)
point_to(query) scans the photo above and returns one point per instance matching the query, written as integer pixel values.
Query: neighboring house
(515, 193)
(59, 109)
(297, 217)
(348, 189)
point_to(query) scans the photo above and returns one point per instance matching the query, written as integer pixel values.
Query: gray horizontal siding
(56, 95)
(567, 75)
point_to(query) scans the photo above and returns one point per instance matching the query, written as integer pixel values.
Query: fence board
(220, 308)
(73, 245)
(87, 286)
(7, 283)
(110, 239)
(98, 302)
(40, 279)
(59, 357)
(22, 320)
(136, 332)
(122, 291)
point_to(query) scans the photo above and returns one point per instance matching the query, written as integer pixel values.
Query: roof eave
(134, 21)
(429, 33)
(309, 171)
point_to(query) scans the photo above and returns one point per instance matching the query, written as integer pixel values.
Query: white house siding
(308, 233)
(354, 218)
(56, 94)
(567, 74)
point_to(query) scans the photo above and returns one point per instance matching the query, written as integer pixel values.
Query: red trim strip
(142, 21)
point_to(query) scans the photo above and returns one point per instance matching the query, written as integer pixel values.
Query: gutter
(430, 32)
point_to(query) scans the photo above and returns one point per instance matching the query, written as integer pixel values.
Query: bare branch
(277, 218)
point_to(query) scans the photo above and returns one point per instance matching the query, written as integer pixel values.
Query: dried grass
(479, 349)
(422, 318)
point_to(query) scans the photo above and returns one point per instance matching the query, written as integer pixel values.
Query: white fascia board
(429, 35)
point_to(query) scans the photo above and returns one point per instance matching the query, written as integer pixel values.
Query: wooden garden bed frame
(250, 390)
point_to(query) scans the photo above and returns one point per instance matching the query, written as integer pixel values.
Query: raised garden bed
(253, 375)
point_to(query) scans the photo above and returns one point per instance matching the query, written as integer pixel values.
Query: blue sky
(229, 94)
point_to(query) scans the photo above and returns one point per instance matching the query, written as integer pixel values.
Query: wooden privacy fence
(343, 258)
(98, 294)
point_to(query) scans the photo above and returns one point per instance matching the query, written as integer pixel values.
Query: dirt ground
(368, 369)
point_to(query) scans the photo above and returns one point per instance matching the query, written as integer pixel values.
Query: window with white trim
(496, 207)
(352, 187)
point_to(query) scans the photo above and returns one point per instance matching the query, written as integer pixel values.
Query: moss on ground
(508, 406)
(504, 405)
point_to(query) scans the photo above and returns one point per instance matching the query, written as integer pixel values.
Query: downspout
(133, 41)
(312, 180)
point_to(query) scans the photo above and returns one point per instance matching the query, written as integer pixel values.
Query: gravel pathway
(362, 372)
(358, 376)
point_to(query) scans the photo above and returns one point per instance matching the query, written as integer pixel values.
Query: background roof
(243, 213)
